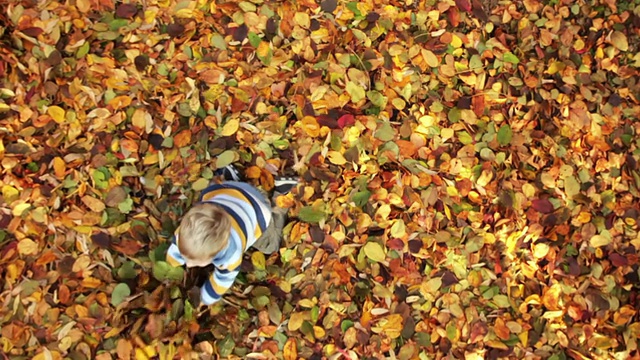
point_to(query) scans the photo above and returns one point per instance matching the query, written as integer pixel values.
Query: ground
(469, 176)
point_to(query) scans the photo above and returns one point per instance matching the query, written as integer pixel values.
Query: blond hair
(204, 231)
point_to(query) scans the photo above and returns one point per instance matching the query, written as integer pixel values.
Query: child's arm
(218, 283)
(174, 258)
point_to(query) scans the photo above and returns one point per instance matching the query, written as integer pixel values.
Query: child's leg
(270, 240)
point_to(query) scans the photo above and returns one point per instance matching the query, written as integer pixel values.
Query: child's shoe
(284, 185)
(229, 173)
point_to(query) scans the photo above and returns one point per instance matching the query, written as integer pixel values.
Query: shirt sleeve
(218, 283)
(174, 258)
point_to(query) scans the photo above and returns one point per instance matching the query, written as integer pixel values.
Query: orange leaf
(183, 138)
(129, 145)
(253, 172)
(407, 148)
(120, 102)
(46, 258)
(501, 329)
(59, 167)
(91, 282)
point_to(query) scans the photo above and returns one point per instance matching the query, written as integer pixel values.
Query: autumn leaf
(467, 174)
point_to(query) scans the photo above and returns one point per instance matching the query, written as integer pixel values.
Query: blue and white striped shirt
(250, 214)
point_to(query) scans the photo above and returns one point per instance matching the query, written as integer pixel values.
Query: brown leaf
(124, 349)
(126, 11)
(115, 196)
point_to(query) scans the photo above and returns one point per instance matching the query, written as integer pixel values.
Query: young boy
(229, 218)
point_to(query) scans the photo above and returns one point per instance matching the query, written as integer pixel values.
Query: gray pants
(270, 240)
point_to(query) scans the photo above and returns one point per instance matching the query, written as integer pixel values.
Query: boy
(229, 218)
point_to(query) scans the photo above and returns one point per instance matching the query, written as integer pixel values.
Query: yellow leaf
(19, 209)
(48, 355)
(81, 263)
(139, 119)
(91, 282)
(302, 19)
(184, 13)
(230, 127)
(430, 58)
(446, 133)
(398, 229)
(27, 247)
(59, 167)
(141, 355)
(599, 240)
(295, 321)
(306, 303)
(374, 251)
(456, 42)
(290, 350)
(336, 158)
(56, 113)
(619, 41)
(200, 184)
(9, 193)
(540, 250)
(310, 126)
(258, 260)
(392, 325)
(318, 332)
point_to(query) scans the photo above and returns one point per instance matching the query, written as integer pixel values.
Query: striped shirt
(250, 214)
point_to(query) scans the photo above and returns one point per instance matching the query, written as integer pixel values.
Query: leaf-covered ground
(469, 176)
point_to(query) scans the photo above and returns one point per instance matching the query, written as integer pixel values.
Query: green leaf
(254, 39)
(374, 251)
(510, 58)
(120, 292)
(83, 50)
(346, 324)
(163, 271)
(226, 346)
(127, 271)
(454, 115)
(361, 197)
(117, 24)
(226, 158)
(377, 98)
(504, 135)
(311, 215)
(355, 91)
(571, 186)
(218, 41)
(385, 132)
(501, 301)
(126, 206)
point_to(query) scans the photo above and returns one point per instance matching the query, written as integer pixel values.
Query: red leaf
(618, 260)
(542, 205)
(464, 5)
(346, 120)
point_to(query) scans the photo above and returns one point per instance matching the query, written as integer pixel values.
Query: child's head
(204, 231)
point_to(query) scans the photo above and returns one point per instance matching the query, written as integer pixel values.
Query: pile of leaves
(469, 176)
